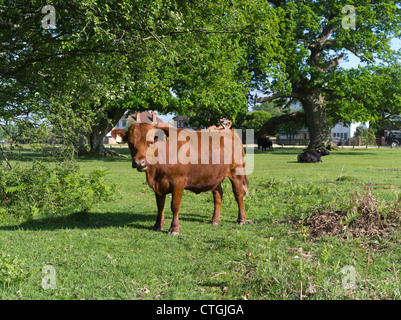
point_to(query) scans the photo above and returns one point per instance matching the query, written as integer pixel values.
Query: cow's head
(140, 136)
(323, 152)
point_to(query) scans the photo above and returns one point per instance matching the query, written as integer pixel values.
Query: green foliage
(368, 136)
(12, 270)
(253, 120)
(313, 42)
(112, 56)
(41, 190)
(290, 128)
(269, 107)
(369, 93)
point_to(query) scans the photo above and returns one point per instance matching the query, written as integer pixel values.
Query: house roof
(146, 117)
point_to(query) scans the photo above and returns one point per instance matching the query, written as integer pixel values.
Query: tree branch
(275, 121)
(322, 39)
(358, 55)
(272, 97)
(5, 158)
(333, 63)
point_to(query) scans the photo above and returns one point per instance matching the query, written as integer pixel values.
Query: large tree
(371, 93)
(315, 36)
(105, 57)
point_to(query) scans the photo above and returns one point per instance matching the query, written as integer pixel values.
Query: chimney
(154, 118)
(138, 117)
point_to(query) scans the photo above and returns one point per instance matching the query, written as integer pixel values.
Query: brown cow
(188, 162)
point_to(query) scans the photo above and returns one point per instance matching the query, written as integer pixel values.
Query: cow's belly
(205, 178)
(196, 178)
(202, 188)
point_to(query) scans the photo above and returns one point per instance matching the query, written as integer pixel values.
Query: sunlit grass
(113, 253)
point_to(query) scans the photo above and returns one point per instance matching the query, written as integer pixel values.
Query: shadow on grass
(296, 151)
(279, 151)
(90, 220)
(87, 221)
(114, 158)
(29, 155)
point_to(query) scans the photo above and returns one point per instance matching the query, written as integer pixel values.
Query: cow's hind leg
(237, 182)
(160, 200)
(217, 197)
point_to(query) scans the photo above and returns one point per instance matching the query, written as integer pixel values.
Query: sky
(354, 60)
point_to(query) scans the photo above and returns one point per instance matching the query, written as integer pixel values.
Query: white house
(340, 131)
(138, 117)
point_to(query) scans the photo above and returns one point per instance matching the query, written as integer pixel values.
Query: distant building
(146, 117)
(182, 122)
(300, 138)
(338, 132)
(344, 132)
(138, 117)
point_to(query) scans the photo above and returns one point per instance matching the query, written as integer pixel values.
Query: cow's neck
(150, 177)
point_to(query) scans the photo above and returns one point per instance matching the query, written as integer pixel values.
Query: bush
(44, 191)
(368, 136)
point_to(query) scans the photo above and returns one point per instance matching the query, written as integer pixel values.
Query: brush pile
(364, 216)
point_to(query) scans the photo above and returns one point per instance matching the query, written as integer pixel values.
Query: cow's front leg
(160, 200)
(175, 208)
(217, 197)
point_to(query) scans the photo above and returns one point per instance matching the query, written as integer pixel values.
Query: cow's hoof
(241, 223)
(215, 223)
(157, 229)
(173, 233)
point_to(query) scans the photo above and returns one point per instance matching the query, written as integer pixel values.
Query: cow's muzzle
(141, 165)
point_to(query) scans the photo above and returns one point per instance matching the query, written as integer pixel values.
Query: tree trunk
(96, 136)
(99, 130)
(317, 121)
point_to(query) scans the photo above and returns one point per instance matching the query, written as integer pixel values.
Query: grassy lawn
(112, 252)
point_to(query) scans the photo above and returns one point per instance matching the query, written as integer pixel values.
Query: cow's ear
(164, 129)
(121, 136)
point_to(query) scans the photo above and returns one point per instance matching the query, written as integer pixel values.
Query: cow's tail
(245, 185)
(242, 170)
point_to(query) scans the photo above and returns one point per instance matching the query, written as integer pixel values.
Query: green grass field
(112, 252)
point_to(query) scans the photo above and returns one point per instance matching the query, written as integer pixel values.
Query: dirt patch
(365, 217)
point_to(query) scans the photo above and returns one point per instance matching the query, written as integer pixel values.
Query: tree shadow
(87, 220)
(279, 151)
(30, 155)
(354, 153)
(193, 217)
(110, 158)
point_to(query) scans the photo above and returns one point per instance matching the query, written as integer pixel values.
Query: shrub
(367, 136)
(41, 190)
